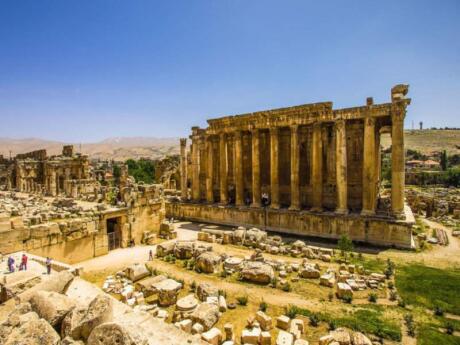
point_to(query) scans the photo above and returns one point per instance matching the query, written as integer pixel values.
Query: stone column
(183, 169)
(195, 170)
(274, 169)
(238, 162)
(397, 163)
(317, 168)
(341, 167)
(369, 197)
(53, 184)
(209, 170)
(295, 191)
(255, 169)
(223, 162)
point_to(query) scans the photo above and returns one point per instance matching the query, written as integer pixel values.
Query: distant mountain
(118, 148)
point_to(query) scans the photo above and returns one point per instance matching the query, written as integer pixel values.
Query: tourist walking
(23, 265)
(150, 255)
(48, 265)
(10, 264)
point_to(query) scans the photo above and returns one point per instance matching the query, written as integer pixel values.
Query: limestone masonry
(309, 170)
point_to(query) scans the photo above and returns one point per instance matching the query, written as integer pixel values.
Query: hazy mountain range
(117, 148)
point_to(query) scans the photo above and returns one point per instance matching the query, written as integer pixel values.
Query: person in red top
(23, 265)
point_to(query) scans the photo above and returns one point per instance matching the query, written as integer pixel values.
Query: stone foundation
(371, 230)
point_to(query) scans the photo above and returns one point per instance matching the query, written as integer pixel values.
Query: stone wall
(374, 231)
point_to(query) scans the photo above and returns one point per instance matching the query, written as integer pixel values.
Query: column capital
(339, 124)
(183, 141)
(369, 121)
(294, 127)
(398, 115)
(274, 130)
(317, 125)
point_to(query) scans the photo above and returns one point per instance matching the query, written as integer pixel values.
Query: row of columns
(370, 168)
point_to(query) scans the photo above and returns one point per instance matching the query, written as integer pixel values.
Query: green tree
(444, 160)
(143, 170)
(452, 177)
(116, 171)
(345, 244)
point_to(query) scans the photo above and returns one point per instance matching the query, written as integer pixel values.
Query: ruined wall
(370, 230)
(69, 241)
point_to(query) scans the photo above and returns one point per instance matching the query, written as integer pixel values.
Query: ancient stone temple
(35, 172)
(309, 169)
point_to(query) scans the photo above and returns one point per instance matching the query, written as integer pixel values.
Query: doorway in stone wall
(114, 233)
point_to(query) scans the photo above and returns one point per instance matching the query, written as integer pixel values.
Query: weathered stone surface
(79, 324)
(184, 250)
(165, 248)
(51, 306)
(206, 290)
(344, 290)
(167, 291)
(301, 342)
(146, 285)
(264, 320)
(70, 323)
(284, 338)
(309, 272)
(206, 314)
(283, 322)
(358, 338)
(207, 262)
(70, 341)
(213, 336)
(35, 332)
(114, 333)
(136, 272)
(251, 336)
(56, 283)
(342, 336)
(257, 272)
(187, 303)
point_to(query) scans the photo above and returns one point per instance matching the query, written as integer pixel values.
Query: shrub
(372, 297)
(409, 320)
(393, 295)
(345, 244)
(348, 299)
(438, 311)
(263, 306)
(242, 300)
(314, 320)
(273, 282)
(292, 311)
(193, 285)
(449, 328)
(391, 285)
(390, 269)
(223, 274)
(330, 296)
(332, 325)
(286, 287)
(401, 303)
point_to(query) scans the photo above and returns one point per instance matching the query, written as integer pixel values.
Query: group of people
(23, 264)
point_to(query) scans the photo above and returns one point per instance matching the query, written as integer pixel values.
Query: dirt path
(439, 256)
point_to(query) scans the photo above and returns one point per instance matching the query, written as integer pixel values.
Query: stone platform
(380, 231)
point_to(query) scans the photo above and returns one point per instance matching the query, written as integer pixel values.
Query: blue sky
(85, 70)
